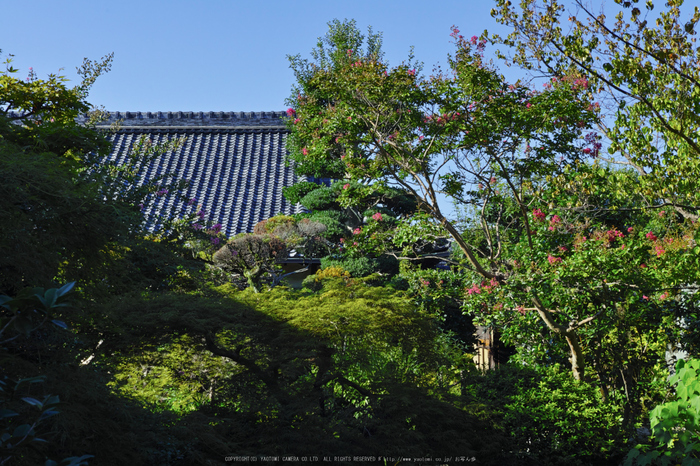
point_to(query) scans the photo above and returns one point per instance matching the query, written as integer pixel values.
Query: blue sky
(215, 55)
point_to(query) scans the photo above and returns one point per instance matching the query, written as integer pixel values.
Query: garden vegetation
(576, 241)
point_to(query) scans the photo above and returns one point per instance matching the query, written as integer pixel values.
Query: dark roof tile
(235, 163)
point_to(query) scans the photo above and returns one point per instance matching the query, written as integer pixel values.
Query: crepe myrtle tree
(643, 65)
(455, 133)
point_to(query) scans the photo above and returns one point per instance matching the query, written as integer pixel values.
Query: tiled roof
(235, 163)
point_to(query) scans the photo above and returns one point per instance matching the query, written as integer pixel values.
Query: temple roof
(235, 163)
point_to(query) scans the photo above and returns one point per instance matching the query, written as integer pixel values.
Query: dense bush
(552, 419)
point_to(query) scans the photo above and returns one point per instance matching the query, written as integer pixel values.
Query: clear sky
(215, 55)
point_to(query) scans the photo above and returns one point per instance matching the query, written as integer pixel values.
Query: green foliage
(23, 315)
(297, 192)
(321, 199)
(359, 267)
(551, 418)
(675, 425)
(644, 62)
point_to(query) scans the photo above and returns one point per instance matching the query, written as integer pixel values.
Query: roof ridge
(179, 118)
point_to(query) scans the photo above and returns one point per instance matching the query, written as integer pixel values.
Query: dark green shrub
(360, 267)
(295, 193)
(321, 199)
(553, 419)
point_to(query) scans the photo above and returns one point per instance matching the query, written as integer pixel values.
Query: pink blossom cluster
(612, 235)
(659, 250)
(377, 216)
(553, 260)
(538, 214)
(592, 140)
(651, 236)
(357, 231)
(441, 119)
(485, 286)
(553, 221)
(474, 289)
(580, 83)
(291, 112)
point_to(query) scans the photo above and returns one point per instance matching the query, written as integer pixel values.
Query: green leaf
(7, 413)
(33, 402)
(22, 431)
(65, 289)
(59, 323)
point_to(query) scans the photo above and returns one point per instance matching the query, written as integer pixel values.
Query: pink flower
(586, 150)
(538, 214)
(377, 217)
(553, 260)
(492, 180)
(645, 297)
(296, 121)
(643, 266)
(420, 138)
(346, 186)
(630, 230)
(291, 112)
(555, 219)
(528, 105)
(651, 236)
(659, 251)
(473, 40)
(613, 234)
(305, 151)
(412, 72)
(663, 296)
(357, 231)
